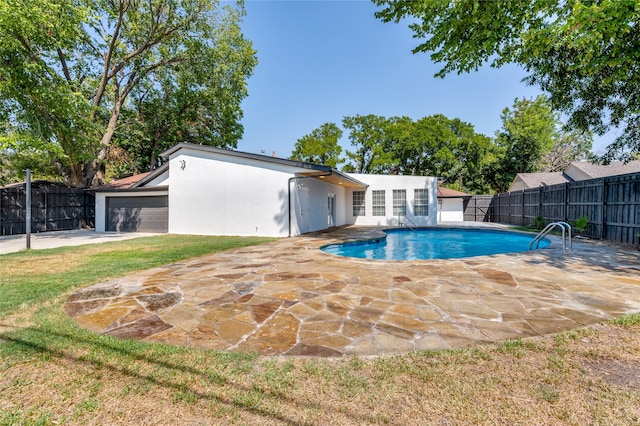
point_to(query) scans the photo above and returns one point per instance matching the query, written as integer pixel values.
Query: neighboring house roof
(38, 182)
(451, 193)
(535, 180)
(576, 171)
(599, 170)
(326, 173)
(125, 182)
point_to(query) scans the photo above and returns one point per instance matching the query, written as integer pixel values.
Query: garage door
(138, 214)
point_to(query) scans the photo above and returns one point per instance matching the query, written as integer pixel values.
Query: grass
(63, 269)
(53, 372)
(532, 228)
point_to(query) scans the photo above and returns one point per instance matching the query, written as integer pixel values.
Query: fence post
(523, 224)
(27, 225)
(566, 202)
(540, 200)
(603, 232)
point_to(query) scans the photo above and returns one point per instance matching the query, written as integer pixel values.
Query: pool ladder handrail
(562, 225)
(404, 224)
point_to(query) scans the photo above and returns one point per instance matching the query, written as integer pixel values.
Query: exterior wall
(575, 173)
(215, 194)
(517, 185)
(212, 193)
(388, 183)
(450, 210)
(316, 214)
(163, 179)
(101, 204)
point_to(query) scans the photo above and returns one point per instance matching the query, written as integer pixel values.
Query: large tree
(321, 146)
(431, 146)
(532, 140)
(442, 147)
(583, 53)
(369, 134)
(69, 71)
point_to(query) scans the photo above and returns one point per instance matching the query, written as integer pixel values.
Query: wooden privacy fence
(53, 208)
(611, 204)
(476, 208)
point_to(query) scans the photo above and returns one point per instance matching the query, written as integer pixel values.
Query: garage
(138, 214)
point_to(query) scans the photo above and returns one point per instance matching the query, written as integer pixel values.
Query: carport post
(27, 191)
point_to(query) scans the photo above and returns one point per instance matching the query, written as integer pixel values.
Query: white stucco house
(212, 191)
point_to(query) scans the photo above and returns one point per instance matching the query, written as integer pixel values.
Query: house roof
(535, 180)
(451, 193)
(326, 173)
(125, 182)
(613, 169)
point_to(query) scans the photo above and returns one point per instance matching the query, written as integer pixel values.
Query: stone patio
(290, 298)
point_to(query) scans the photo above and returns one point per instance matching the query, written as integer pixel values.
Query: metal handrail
(563, 225)
(412, 222)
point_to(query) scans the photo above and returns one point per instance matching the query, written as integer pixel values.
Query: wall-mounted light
(183, 164)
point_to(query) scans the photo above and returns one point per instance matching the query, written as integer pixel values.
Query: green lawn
(30, 277)
(54, 372)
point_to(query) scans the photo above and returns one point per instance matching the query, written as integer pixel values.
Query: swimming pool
(435, 243)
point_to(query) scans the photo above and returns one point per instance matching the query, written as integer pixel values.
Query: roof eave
(246, 155)
(151, 176)
(160, 188)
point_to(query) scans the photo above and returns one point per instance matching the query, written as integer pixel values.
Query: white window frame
(399, 202)
(378, 202)
(359, 207)
(421, 202)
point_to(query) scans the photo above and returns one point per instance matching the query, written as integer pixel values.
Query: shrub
(538, 222)
(581, 223)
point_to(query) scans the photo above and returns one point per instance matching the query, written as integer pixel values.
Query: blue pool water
(435, 243)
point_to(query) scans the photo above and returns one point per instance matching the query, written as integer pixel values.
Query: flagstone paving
(290, 298)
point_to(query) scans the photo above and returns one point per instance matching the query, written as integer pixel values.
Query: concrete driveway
(53, 239)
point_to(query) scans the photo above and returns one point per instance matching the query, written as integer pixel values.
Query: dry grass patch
(56, 373)
(53, 372)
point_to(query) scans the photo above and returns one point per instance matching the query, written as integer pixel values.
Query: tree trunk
(93, 172)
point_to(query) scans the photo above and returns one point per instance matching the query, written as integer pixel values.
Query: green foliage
(584, 54)
(19, 152)
(538, 222)
(76, 75)
(368, 134)
(431, 146)
(443, 147)
(320, 146)
(529, 129)
(581, 223)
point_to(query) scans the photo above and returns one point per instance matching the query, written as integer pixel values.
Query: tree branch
(65, 68)
(148, 45)
(107, 60)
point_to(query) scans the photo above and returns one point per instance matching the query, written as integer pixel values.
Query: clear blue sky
(322, 60)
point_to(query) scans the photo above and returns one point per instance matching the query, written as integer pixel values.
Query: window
(399, 202)
(421, 202)
(378, 203)
(358, 203)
